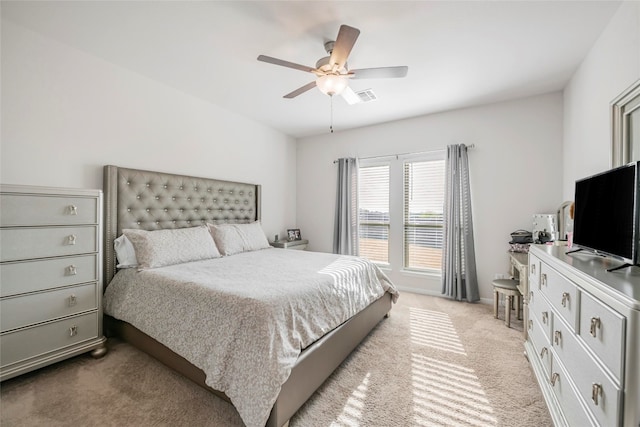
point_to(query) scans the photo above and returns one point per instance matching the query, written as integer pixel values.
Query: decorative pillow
(253, 236)
(235, 238)
(166, 247)
(125, 253)
(227, 238)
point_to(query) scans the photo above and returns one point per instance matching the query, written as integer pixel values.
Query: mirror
(625, 126)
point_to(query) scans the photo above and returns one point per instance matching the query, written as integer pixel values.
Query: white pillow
(125, 253)
(235, 238)
(174, 246)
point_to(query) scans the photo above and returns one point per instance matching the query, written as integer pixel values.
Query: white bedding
(244, 319)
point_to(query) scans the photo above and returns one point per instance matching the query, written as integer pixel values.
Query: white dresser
(583, 338)
(50, 276)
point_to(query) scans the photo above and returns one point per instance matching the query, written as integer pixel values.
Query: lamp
(331, 84)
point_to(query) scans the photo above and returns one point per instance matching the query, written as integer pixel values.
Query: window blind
(373, 212)
(423, 214)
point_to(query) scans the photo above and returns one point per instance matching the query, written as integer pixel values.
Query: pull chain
(331, 125)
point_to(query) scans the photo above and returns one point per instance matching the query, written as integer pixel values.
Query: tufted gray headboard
(154, 200)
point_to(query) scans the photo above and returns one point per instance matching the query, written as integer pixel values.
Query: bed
(147, 200)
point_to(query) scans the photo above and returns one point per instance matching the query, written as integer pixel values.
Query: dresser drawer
(30, 209)
(29, 243)
(25, 310)
(586, 374)
(603, 331)
(540, 310)
(534, 272)
(561, 293)
(30, 276)
(573, 408)
(541, 345)
(39, 340)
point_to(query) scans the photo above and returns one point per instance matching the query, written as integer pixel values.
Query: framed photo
(294, 234)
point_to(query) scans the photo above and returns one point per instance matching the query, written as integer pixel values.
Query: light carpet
(434, 362)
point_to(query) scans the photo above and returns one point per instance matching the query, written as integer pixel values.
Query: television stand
(609, 270)
(589, 251)
(574, 251)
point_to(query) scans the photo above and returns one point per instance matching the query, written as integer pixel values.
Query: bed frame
(154, 200)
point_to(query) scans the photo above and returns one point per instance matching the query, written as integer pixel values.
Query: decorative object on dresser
(584, 337)
(50, 269)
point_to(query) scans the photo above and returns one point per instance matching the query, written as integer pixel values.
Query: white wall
(65, 114)
(515, 172)
(612, 65)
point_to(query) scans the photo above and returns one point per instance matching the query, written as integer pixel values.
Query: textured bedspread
(244, 319)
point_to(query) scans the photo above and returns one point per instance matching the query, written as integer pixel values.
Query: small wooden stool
(508, 288)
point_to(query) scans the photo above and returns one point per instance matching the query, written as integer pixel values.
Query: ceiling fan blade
(379, 73)
(300, 90)
(283, 63)
(347, 37)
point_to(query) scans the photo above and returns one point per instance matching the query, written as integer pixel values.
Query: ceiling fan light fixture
(332, 84)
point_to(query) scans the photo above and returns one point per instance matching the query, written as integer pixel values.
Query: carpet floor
(434, 362)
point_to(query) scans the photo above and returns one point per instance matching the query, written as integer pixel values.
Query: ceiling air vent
(367, 95)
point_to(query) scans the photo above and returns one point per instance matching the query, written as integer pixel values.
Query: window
(373, 212)
(400, 211)
(423, 213)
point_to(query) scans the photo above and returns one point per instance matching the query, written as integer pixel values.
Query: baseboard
(487, 301)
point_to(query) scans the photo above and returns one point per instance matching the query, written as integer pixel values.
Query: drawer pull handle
(73, 300)
(72, 270)
(530, 324)
(71, 239)
(543, 278)
(565, 298)
(595, 324)
(543, 352)
(73, 210)
(557, 337)
(73, 331)
(545, 317)
(554, 377)
(531, 296)
(596, 391)
(533, 269)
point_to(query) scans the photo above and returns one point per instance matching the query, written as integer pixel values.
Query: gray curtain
(459, 277)
(345, 233)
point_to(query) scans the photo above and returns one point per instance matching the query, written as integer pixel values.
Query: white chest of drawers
(50, 276)
(584, 337)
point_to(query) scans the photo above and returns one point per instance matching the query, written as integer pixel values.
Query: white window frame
(422, 157)
(396, 260)
(365, 163)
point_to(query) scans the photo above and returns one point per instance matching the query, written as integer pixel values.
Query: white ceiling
(459, 53)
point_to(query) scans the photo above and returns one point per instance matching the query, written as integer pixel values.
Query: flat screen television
(606, 213)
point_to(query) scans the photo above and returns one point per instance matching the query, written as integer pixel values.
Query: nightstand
(291, 244)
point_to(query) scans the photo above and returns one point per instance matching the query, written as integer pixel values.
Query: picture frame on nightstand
(294, 234)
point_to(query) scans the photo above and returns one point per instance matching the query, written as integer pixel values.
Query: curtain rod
(403, 154)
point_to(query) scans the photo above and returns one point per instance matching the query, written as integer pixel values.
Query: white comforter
(244, 319)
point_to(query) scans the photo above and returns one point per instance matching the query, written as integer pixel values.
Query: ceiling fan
(332, 72)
